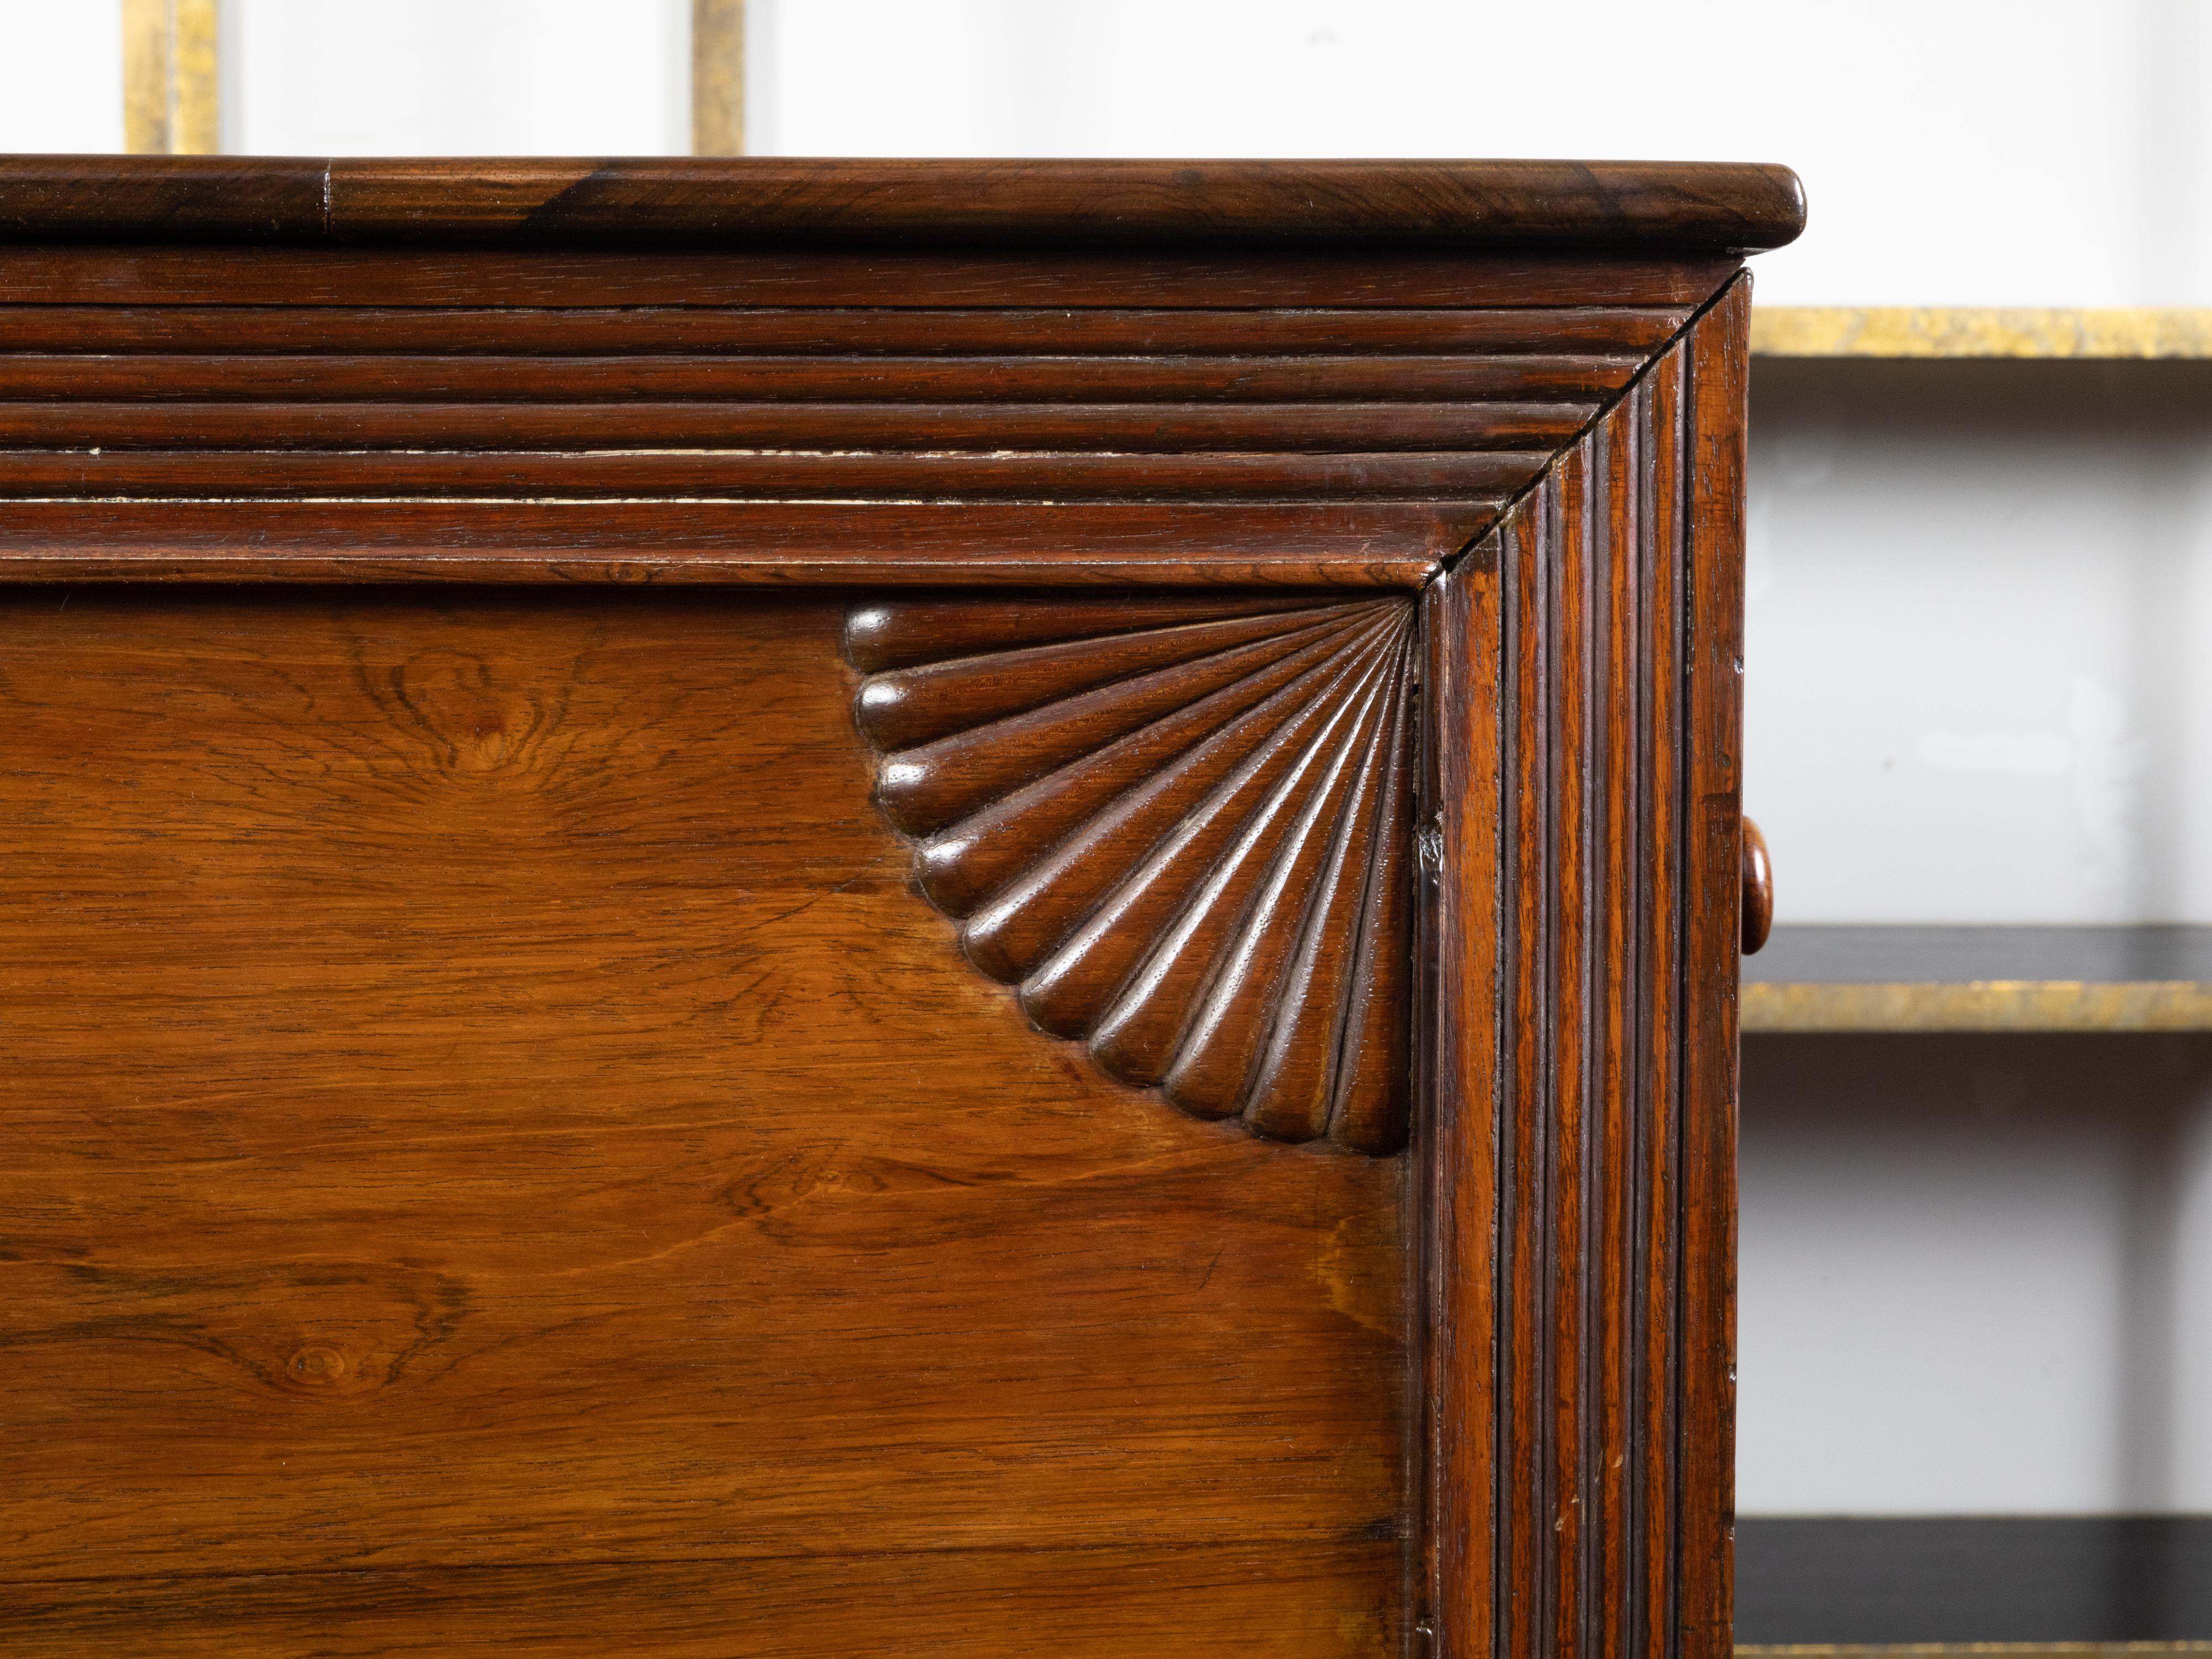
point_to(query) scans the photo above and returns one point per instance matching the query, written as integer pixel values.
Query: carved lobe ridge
(1182, 828)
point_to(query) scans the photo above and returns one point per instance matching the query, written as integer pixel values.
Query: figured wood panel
(492, 1145)
(1093, 1603)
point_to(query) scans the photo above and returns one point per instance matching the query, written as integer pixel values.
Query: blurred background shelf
(1980, 331)
(2027, 1587)
(1980, 979)
(1960, 1649)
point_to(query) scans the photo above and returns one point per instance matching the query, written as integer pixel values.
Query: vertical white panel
(1976, 1276)
(1977, 685)
(460, 77)
(1940, 1237)
(61, 76)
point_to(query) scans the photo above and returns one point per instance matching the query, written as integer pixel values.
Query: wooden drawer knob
(1758, 889)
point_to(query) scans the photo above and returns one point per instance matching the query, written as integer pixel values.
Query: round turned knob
(1758, 889)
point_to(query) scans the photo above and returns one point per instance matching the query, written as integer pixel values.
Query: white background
(1977, 1274)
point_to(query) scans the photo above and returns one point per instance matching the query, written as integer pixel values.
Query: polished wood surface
(1712, 756)
(639, 202)
(480, 1094)
(708, 441)
(622, 847)
(1575, 1304)
(1758, 890)
(1183, 832)
(107, 274)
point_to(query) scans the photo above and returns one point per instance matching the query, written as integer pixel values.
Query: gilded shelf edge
(1969, 331)
(1987, 1005)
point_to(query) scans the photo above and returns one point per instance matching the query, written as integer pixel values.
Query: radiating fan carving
(1181, 827)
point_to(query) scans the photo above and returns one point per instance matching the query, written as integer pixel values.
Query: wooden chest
(821, 909)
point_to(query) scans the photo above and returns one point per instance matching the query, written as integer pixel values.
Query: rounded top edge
(714, 202)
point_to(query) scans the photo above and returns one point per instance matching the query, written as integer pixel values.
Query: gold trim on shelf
(170, 93)
(1959, 331)
(1987, 1005)
(717, 77)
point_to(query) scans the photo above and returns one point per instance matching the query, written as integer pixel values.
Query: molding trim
(1582, 779)
(1182, 828)
(588, 428)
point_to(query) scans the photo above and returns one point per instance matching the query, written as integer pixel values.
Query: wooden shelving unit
(1970, 332)
(1980, 979)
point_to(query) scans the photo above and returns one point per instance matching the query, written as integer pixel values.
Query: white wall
(61, 76)
(1978, 685)
(465, 77)
(2039, 152)
(1976, 1276)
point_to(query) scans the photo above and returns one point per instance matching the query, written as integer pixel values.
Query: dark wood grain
(1092, 1604)
(1168, 428)
(907, 633)
(393, 377)
(1758, 890)
(93, 276)
(1480, 483)
(630, 203)
(1189, 843)
(1574, 1498)
(1376, 544)
(1461, 963)
(505, 1148)
(869, 328)
(1409, 437)
(982, 438)
(450, 1125)
(1713, 933)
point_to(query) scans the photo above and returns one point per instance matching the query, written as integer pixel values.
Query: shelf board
(1969, 331)
(1980, 979)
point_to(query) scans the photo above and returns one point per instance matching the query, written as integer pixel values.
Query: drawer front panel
(483, 1095)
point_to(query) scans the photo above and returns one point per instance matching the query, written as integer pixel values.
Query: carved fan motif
(1182, 828)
